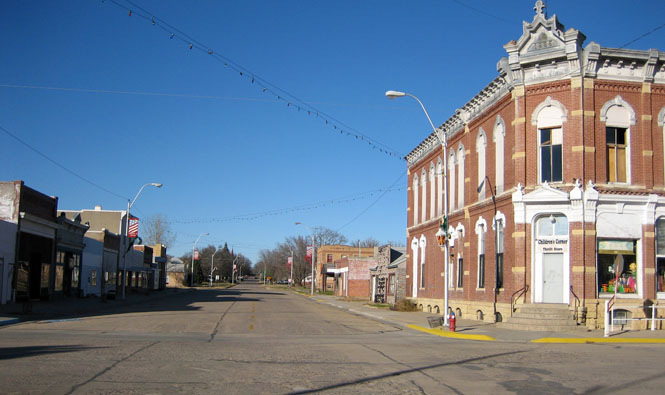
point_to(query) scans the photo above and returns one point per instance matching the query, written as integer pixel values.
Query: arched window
(460, 176)
(423, 195)
(618, 116)
(439, 184)
(416, 200)
(423, 248)
(432, 191)
(481, 144)
(499, 136)
(451, 181)
(549, 116)
(481, 231)
(414, 266)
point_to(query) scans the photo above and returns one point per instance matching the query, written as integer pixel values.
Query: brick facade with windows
(572, 139)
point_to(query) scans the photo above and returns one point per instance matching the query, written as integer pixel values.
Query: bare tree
(325, 236)
(368, 242)
(157, 230)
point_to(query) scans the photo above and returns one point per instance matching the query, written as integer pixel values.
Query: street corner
(453, 335)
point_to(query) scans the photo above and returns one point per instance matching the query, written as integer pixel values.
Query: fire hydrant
(451, 322)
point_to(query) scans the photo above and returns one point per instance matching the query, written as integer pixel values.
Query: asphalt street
(255, 340)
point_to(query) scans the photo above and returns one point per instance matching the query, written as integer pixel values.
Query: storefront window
(59, 276)
(617, 267)
(660, 255)
(93, 278)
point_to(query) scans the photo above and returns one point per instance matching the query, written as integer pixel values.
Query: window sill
(608, 295)
(480, 289)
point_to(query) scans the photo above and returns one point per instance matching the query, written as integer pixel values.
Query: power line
(12, 135)
(373, 203)
(267, 87)
(281, 211)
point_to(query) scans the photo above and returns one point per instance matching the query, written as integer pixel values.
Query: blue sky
(117, 101)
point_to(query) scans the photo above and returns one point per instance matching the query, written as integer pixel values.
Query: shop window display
(617, 267)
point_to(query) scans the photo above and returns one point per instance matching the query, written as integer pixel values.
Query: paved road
(249, 340)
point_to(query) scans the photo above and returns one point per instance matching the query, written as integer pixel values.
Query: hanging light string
(282, 211)
(334, 125)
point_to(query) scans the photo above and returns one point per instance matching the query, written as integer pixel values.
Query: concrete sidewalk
(484, 331)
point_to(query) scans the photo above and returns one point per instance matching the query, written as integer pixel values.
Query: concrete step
(542, 317)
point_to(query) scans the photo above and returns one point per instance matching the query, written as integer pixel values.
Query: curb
(590, 340)
(454, 335)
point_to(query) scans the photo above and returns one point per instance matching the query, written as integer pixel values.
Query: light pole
(443, 139)
(212, 264)
(233, 268)
(129, 206)
(313, 253)
(191, 277)
(291, 282)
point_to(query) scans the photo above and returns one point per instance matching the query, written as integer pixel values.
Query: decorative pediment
(542, 35)
(545, 194)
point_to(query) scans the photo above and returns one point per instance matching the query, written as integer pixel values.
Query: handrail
(577, 303)
(522, 292)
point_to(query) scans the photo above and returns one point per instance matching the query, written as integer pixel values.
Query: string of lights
(293, 102)
(58, 164)
(281, 211)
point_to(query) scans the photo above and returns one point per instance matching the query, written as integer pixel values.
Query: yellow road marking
(455, 335)
(251, 327)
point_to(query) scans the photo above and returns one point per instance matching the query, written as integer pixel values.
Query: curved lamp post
(313, 253)
(212, 264)
(129, 206)
(191, 277)
(442, 234)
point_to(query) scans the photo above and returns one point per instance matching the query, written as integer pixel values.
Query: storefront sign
(616, 247)
(551, 244)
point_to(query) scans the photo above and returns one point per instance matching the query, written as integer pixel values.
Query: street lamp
(443, 139)
(233, 268)
(212, 264)
(313, 253)
(129, 206)
(191, 278)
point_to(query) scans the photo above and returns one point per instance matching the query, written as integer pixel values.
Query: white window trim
(452, 198)
(423, 248)
(414, 271)
(481, 231)
(620, 102)
(439, 183)
(432, 191)
(499, 137)
(461, 157)
(416, 197)
(423, 191)
(481, 150)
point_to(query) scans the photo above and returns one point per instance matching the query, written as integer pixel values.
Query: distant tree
(157, 230)
(326, 236)
(368, 242)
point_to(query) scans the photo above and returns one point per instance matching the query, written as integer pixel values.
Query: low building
(352, 278)
(69, 256)
(175, 272)
(389, 275)
(326, 255)
(28, 249)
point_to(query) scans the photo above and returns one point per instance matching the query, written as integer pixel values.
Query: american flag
(133, 230)
(309, 251)
(289, 262)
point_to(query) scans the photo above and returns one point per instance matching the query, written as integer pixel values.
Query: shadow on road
(31, 351)
(169, 300)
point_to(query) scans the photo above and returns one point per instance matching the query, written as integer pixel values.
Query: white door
(553, 289)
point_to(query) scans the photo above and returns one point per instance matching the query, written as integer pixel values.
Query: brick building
(326, 255)
(352, 278)
(388, 277)
(569, 141)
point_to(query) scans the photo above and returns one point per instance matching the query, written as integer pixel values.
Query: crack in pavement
(76, 387)
(214, 332)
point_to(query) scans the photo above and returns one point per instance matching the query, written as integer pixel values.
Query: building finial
(539, 7)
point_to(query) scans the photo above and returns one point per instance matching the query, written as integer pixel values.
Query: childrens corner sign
(552, 244)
